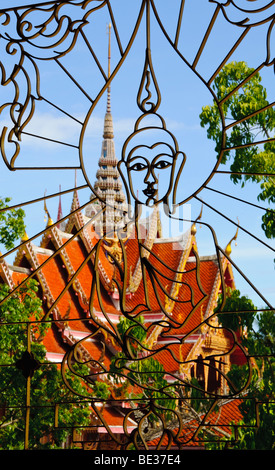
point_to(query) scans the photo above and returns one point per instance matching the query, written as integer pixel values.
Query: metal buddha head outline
(151, 151)
(151, 157)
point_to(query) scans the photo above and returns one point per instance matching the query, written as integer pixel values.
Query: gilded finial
(25, 237)
(50, 220)
(228, 249)
(194, 228)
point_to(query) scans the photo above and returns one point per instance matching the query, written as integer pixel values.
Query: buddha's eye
(137, 167)
(162, 164)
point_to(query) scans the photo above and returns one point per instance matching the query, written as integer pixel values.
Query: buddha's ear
(171, 206)
(181, 159)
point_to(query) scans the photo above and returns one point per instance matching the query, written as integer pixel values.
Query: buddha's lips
(150, 191)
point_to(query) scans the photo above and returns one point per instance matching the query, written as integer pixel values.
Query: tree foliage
(257, 428)
(249, 157)
(12, 225)
(47, 385)
(242, 308)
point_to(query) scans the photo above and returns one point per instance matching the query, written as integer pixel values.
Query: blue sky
(183, 95)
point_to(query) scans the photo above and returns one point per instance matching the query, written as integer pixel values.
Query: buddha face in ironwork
(150, 156)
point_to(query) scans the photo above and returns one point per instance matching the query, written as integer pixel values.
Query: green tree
(243, 312)
(21, 309)
(12, 225)
(258, 337)
(249, 98)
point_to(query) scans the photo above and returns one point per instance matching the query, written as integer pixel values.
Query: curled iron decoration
(21, 40)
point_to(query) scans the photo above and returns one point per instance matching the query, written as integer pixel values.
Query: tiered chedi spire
(108, 185)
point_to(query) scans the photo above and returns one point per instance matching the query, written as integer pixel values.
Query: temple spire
(108, 185)
(108, 132)
(109, 72)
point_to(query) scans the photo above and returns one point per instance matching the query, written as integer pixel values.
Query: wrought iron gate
(146, 371)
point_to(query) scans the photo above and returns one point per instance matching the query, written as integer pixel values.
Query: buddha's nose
(150, 177)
